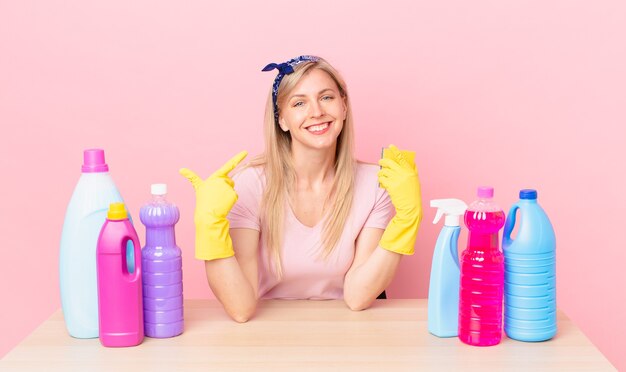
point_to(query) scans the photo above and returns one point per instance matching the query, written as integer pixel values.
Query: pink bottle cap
(93, 161)
(485, 192)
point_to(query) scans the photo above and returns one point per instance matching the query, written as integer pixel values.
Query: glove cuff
(213, 240)
(400, 235)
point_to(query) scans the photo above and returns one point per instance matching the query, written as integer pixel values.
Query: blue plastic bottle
(85, 215)
(529, 272)
(443, 290)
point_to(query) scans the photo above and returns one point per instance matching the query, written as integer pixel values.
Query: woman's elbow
(242, 315)
(241, 318)
(357, 304)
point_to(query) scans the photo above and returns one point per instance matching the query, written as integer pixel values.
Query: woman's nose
(316, 109)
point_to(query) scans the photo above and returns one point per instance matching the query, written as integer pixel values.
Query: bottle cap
(485, 192)
(93, 161)
(528, 194)
(158, 189)
(117, 211)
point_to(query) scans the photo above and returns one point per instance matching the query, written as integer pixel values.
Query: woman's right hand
(215, 197)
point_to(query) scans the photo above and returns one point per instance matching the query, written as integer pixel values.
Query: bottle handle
(509, 225)
(136, 274)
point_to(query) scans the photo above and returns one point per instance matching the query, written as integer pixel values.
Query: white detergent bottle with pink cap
(85, 215)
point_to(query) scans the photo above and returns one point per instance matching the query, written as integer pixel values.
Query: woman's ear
(282, 124)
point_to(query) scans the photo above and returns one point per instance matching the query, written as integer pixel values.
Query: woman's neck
(313, 168)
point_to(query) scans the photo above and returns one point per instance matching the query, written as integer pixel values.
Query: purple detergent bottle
(162, 267)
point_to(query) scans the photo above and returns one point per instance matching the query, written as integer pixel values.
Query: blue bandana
(285, 68)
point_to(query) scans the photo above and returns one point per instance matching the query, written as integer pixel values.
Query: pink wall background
(511, 94)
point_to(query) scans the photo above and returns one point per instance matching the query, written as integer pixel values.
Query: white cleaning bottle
(443, 291)
(86, 213)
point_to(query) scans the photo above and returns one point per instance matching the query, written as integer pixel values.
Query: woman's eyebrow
(304, 95)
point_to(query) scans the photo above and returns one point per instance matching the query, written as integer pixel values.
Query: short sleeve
(246, 211)
(382, 212)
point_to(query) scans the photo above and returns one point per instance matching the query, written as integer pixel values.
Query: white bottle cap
(452, 220)
(158, 189)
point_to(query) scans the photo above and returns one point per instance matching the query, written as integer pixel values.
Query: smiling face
(313, 112)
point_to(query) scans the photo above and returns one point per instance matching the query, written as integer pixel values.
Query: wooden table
(304, 335)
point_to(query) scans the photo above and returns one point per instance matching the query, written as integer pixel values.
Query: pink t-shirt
(306, 275)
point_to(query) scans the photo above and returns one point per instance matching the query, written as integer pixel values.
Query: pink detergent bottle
(482, 273)
(120, 304)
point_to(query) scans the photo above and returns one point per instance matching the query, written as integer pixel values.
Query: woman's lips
(318, 129)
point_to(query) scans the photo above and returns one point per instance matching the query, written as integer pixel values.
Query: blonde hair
(281, 178)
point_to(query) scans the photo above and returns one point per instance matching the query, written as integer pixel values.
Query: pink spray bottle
(119, 290)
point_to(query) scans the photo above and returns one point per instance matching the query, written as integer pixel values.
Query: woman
(305, 220)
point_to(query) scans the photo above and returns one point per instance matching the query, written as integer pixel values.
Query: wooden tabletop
(304, 335)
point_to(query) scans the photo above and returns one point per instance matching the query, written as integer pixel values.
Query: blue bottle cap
(528, 194)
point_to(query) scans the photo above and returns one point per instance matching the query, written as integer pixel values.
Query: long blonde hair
(281, 178)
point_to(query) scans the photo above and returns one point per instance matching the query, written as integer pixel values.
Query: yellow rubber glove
(215, 197)
(399, 177)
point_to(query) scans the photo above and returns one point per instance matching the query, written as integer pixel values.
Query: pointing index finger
(231, 164)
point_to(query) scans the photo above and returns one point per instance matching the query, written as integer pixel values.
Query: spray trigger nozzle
(438, 214)
(452, 208)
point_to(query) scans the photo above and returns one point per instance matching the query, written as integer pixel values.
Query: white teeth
(318, 128)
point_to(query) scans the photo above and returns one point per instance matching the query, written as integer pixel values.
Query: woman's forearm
(363, 284)
(232, 288)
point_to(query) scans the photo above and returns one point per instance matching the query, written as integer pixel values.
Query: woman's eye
(327, 98)
(299, 103)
